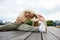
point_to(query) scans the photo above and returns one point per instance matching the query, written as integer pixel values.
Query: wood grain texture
(14, 35)
(52, 34)
(48, 36)
(35, 36)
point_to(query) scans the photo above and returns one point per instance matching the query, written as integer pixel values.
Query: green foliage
(29, 22)
(50, 23)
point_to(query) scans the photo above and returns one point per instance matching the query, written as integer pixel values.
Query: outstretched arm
(18, 20)
(41, 18)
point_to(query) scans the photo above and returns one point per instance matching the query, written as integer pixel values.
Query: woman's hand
(41, 18)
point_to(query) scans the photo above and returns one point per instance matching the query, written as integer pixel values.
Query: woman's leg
(9, 26)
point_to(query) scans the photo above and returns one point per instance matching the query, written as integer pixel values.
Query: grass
(57, 26)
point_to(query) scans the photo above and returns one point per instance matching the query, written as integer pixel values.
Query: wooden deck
(52, 34)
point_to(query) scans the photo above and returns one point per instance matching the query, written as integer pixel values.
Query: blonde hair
(23, 12)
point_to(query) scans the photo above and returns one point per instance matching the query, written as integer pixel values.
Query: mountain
(57, 22)
(1, 22)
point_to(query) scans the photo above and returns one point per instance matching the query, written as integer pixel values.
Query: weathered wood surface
(52, 34)
(48, 36)
(54, 31)
(14, 35)
(35, 36)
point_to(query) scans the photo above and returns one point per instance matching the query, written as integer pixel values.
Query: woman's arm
(41, 18)
(20, 20)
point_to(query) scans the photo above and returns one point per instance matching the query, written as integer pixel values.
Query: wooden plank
(21, 37)
(52, 34)
(35, 36)
(54, 31)
(12, 35)
(48, 36)
(5, 33)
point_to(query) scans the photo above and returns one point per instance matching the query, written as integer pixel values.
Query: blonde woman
(26, 15)
(31, 15)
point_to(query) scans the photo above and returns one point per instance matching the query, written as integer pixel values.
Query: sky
(10, 9)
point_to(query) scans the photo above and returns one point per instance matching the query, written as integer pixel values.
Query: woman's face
(29, 15)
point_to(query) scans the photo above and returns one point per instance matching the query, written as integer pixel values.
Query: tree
(50, 23)
(59, 24)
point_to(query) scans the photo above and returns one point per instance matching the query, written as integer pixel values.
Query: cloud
(55, 16)
(11, 8)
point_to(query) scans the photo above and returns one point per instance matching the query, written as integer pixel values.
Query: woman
(27, 15)
(31, 15)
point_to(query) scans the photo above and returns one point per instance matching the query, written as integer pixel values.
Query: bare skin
(41, 18)
(28, 15)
